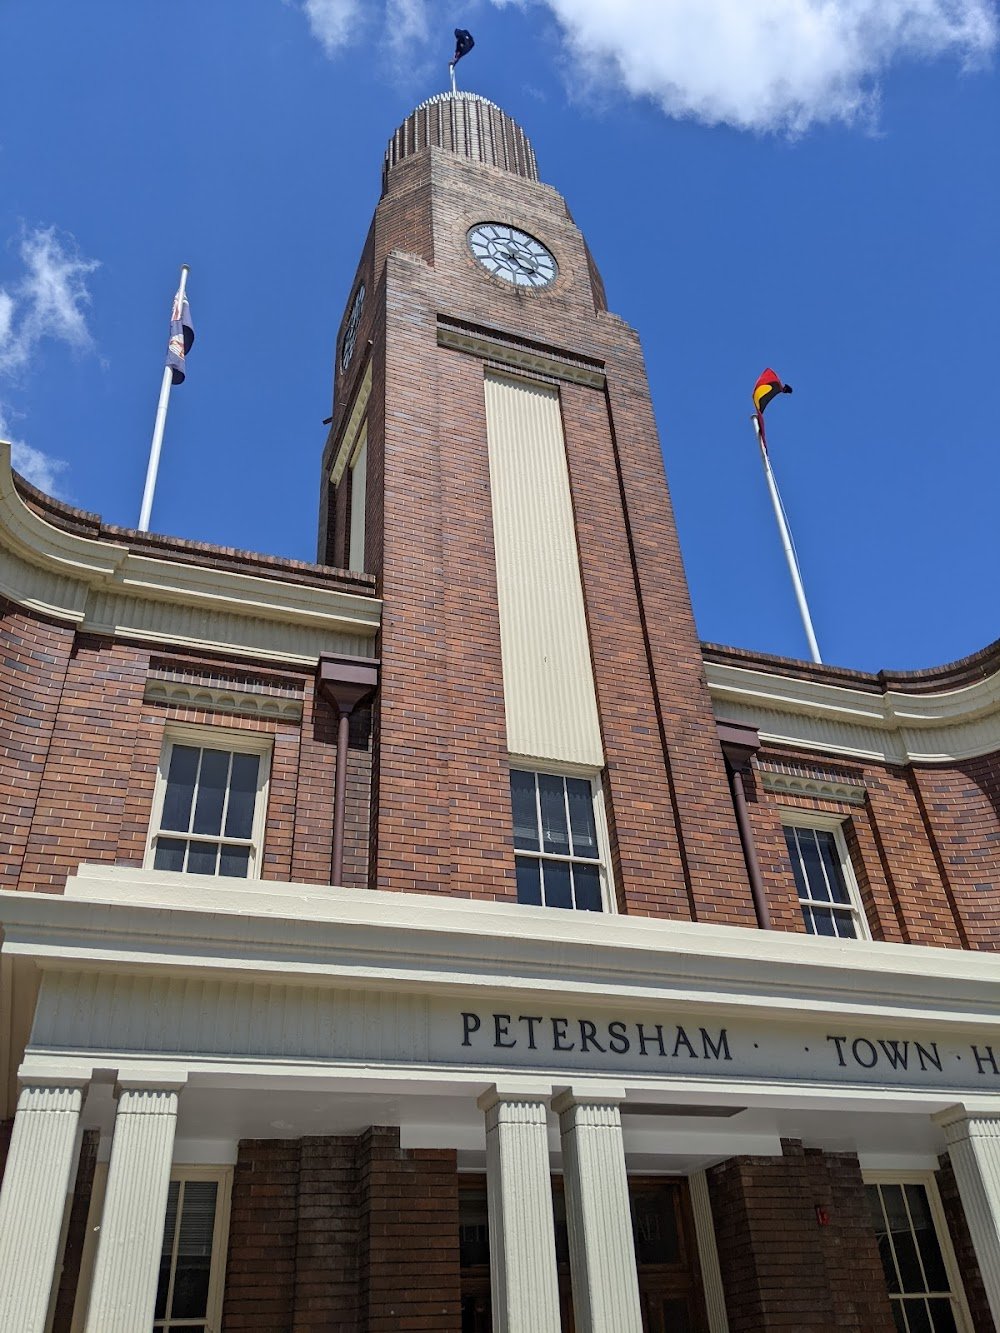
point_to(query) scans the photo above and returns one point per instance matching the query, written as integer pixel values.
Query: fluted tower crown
(468, 124)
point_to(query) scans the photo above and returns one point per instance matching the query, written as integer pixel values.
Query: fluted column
(135, 1206)
(523, 1281)
(974, 1148)
(601, 1248)
(40, 1164)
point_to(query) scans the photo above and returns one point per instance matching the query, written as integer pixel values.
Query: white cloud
(48, 302)
(333, 22)
(764, 64)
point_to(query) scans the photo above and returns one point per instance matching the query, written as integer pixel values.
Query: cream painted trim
(520, 358)
(929, 1182)
(125, 918)
(708, 1254)
(104, 587)
(352, 430)
(243, 701)
(824, 789)
(894, 727)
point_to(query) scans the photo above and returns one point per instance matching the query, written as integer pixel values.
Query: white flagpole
(161, 421)
(451, 71)
(786, 542)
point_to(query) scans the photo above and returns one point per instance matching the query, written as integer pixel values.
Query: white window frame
(220, 1241)
(214, 738)
(795, 817)
(960, 1304)
(609, 904)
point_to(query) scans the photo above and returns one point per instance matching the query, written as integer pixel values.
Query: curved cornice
(889, 726)
(104, 586)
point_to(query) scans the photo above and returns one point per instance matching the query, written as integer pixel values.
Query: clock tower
(493, 460)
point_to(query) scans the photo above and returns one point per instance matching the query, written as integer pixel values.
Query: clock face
(512, 255)
(351, 328)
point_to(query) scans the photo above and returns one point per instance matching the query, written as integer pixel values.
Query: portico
(178, 1022)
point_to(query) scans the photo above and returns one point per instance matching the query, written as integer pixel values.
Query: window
(925, 1290)
(558, 856)
(828, 894)
(208, 813)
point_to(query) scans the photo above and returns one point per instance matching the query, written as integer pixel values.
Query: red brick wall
(965, 1254)
(353, 1234)
(780, 1268)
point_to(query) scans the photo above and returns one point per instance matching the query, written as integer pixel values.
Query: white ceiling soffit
(894, 727)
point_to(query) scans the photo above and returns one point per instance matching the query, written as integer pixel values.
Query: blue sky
(762, 182)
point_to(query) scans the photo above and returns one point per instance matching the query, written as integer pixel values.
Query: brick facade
(783, 1270)
(353, 1234)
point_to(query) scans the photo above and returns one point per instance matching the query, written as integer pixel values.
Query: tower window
(557, 844)
(824, 878)
(208, 812)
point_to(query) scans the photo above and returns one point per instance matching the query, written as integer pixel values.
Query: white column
(43, 1153)
(523, 1280)
(708, 1253)
(974, 1148)
(135, 1205)
(601, 1249)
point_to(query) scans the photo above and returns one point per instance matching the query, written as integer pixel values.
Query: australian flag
(181, 338)
(463, 44)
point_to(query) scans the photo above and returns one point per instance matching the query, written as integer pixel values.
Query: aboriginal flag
(766, 388)
(181, 338)
(463, 44)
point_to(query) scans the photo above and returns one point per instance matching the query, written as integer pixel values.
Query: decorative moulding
(104, 587)
(827, 789)
(893, 728)
(248, 703)
(352, 430)
(519, 358)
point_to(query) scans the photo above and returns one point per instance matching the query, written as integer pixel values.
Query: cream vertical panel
(548, 681)
(708, 1254)
(359, 493)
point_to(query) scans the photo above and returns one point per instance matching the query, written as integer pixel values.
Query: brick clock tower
(494, 461)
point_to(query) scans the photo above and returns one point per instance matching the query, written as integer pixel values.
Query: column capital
(514, 1092)
(588, 1094)
(961, 1120)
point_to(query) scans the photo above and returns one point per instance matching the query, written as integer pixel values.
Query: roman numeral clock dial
(512, 255)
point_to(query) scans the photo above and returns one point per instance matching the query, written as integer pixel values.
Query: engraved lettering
(472, 1024)
(683, 1040)
(840, 1049)
(982, 1060)
(559, 1026)
(588, 1036)
(618, 1041)
(897, 1057)
(502, 1024)
(644, 1040)
(716, 1049)
(863, 1041)
(923, 1054)
(531, 1020)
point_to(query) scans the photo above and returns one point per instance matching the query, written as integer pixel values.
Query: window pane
(823, 921)
(899, 1317)
(791, 842)
(831, 862)
(166, 1250)
(194, 1250)
(235, 862)
(580, 796)
(813, 865)
(555, 835)
(211, 791)
(927, 1241)
(587, 883)
(918, 1317)
(242, 795)
(847, 927)
(473, 1228)
(522, 800)
(902, 1239)
(202, 858)
(169, 854)
(529, 881)
(180, 788)
(881, 1234)
(557, 887)
(562, 1226)
(654, 1226)
(943, 1316)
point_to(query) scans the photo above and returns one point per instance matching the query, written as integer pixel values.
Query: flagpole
(451, 70)
(161, 421)
(786, 542)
